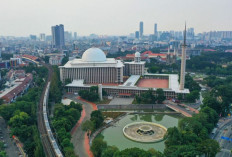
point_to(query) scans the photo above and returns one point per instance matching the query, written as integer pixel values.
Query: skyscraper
(183, 62)
(33, 37)
(155, 29)
(42, 37)
(141, 29)
(58, 36)
(137, 34)
(75, 35)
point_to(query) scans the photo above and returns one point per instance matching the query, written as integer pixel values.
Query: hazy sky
(112, 17)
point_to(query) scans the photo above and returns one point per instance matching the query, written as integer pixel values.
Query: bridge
(178, 109)
(31, 59)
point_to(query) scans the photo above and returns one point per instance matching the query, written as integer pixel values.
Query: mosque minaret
(183, 62)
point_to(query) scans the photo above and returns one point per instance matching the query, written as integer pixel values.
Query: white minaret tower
(183, 62)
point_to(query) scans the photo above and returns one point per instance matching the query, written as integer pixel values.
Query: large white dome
(94, 55)
(137, 54)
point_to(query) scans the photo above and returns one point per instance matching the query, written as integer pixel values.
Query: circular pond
(114, 135)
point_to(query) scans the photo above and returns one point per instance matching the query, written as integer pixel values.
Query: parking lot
(10, 146)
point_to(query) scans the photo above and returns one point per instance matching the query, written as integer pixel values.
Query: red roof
(16, 91)
(125, 94)
(150, 54)
(209, 50)
(30, 57)
(228, 51)
(153, 54)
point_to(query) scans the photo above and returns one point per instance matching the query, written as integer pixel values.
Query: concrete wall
(132, 107)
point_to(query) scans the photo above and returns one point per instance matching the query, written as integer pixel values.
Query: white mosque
(115, 77)
(94, 67)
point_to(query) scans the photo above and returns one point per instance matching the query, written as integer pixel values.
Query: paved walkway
(79, 137)
(121, 101)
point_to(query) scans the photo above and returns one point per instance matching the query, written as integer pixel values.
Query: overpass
(31, 59)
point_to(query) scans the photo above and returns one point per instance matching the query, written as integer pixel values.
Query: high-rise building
(58, 36)
(155, 29)
(33, 37)
(141, 29)
(42, 37)
(137, 34)
(68, 36)
(183, 62)
(190, 33)
(75, 35)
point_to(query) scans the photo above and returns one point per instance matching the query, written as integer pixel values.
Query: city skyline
(112, 17)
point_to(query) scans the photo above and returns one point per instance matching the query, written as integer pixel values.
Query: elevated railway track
(50, 145)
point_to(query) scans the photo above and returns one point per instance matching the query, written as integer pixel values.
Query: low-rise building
(17, 86)
(55, 60)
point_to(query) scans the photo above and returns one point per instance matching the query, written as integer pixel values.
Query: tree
(146, 98)
(109, 151)
(190, 125)
(97, 118)
(160, 95)
(133, 152)
(1, 101)
(174, 137)
(209, 147)
(67, 81)
(89, 95)
(19, 119)
(88, 126)
(191, 97)
(155, 153)
(2, 154)
(180, 97)
(98, 146)
(212, 116)
(64, 60)
(182, 151)
(46, 59)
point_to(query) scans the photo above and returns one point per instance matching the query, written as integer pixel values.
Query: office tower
(68, 36)
(33, 37)
(141, 29)
(155, 29)
(75, 35)
(183, 62)
(190, 33)
(58, 36)
(42, 37)
(137, 34)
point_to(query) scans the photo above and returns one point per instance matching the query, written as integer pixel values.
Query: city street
(224, 129)
(11, 150)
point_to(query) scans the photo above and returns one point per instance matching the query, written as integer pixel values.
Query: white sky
(112, 17)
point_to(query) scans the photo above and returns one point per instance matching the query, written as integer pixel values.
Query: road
(224, 129)
(78, 137)
(11, 150)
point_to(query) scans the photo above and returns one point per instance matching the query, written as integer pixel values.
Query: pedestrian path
(80, 139)
(179, 110)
